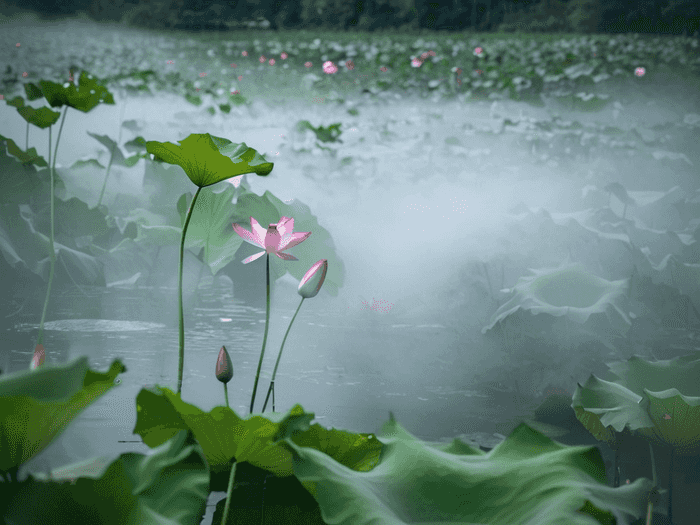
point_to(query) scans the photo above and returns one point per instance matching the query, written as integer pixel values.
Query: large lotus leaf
(207, 159)
(74, 218)
(224, 435)
(571, 291)
(26, 158)
(210, 227)
(527, 479)
(84, 97)
(36, 405)
(671, 389)
(116, 156)
(34, 249)
(603, 406)
(169, 486)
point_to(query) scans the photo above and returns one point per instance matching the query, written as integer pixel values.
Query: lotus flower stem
(229, 491)
(267, 326)
(279, 356)
(226, 395)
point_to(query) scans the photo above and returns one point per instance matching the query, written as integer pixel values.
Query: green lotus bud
(224, 366)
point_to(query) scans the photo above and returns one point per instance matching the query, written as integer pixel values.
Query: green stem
(52, 253)
(111, 158)
(270, 390)
(181, 363)
(267, 325)
(227, 505)
(226, 395)
(279, 356)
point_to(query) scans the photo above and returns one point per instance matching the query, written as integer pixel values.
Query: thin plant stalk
(267, 326)
(52, 252)
(226, 395)
(229, 491)
(181, 327)
(111, 158)
(650, 504)
(279, 356)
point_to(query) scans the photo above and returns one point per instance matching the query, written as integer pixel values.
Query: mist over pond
(437, 210)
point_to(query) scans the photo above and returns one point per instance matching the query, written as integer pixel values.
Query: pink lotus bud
(312, 281)
(224, 366)
(38, 359)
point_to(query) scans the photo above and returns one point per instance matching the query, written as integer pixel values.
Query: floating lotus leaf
(571, 291)
(660, 400)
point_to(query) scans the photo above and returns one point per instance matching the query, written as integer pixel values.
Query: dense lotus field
(228, 66)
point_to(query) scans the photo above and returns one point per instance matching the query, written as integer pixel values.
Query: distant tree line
(569, 16)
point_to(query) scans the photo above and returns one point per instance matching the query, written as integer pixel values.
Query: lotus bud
(38, 359)
(312, 281)
(224, 366)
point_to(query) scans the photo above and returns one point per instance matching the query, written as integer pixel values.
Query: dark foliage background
(560, 16)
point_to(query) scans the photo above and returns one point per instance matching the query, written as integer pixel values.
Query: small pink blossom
(233, 65)
(38, 358)
(350, 64)
(236, 92)
(383, 69)
(275, 240)
(240, 77)
(262, 58)
(639, 71)
(478, 51)
(307, 64)
(329, 67)
(244, 53)
(272, 62)
(416, 62)
(17, 45)
(284, 56)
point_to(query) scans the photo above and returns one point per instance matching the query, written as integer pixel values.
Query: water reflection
(349, 376)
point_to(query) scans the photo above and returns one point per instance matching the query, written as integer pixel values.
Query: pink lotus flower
(278, 238)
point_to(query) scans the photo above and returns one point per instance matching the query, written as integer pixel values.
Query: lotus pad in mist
(660, 400)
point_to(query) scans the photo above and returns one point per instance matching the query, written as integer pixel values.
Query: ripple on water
(100, 325)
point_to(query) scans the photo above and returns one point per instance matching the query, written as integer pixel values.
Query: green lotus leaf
(256, 439)
(36, 405)
(169, 486)
(527, 478)
(207, 159)
(660, 400)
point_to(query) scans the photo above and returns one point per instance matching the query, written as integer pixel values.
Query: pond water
(338, 368)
